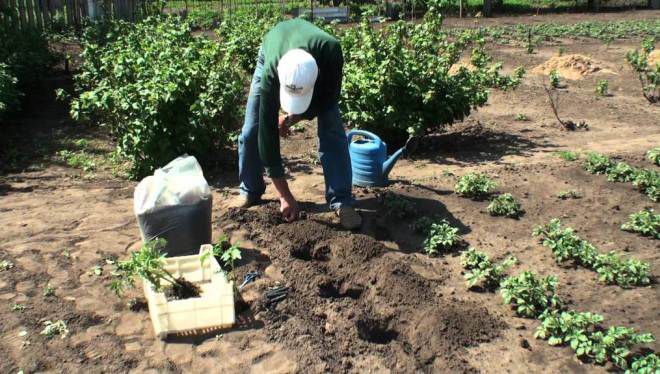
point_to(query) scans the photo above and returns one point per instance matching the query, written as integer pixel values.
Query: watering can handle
(364, 133)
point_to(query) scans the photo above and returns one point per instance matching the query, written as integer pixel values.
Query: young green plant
(441, 236)
(149, 264)
(645, 222)
(474, 185)
(505, 205)
(481, 270)
(529, 295)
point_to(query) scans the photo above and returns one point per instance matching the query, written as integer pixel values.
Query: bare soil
(357, 301)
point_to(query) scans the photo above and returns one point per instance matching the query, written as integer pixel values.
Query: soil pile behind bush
(348, 300)
(573, 66)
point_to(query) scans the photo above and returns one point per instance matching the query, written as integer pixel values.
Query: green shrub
(529, 295)
(597, 163)
(644, 222)
(505, 205)
(474, 185)
(482, 270)
(399, 81)
(9, 94)
(621, 172)
(24, 59)
(615, 345)
(160, 90)
(649, 76)
(612, 270)
(441, 236)
(653, 155)
(398, 206)
(204, 18)
(241, 35)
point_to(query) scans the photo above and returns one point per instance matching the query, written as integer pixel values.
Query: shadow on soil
(475, 144)
(382, 225)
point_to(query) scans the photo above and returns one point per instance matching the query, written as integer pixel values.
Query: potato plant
(602, 88)
(597, 163)
(52, 329)
(381, 62)
(568, 155)
(645, 222)
(648, 182)
(621, 172)
(149, 264)
(227, 252)
(569, 194)
(6, 265)
(481, 270)
(529, 295)
(555, 79)
(441, 236)
(645, 364)
(653, 155)
(160, 90)
(505, 205)
(474, 185)
(583, 333)
(568, 246)
(569, 327)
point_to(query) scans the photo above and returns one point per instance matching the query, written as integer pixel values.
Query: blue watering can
(369, 159)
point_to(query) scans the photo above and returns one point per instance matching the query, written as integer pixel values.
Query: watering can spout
(389, 163)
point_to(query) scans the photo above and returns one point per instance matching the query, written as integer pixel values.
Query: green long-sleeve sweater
(326, 50)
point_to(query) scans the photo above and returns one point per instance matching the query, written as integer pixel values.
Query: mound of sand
(572, 66)
(654, 58)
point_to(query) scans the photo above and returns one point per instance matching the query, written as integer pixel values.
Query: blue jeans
(333, 150)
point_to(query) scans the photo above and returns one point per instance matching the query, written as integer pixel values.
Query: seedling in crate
(482, 270)
(228, 254)
(148, 263)
(55, 328)
(530, 295)
(474, 185)
(645, 222)
(441, 236)
(505, 205)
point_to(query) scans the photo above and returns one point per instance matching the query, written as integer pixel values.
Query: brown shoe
(349, 218)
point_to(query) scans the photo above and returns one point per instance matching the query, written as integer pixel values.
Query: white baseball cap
(297, 71)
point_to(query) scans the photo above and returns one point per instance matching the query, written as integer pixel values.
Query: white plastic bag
(181, 182)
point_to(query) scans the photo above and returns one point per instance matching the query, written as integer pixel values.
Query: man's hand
(283, 126)
(289, 209)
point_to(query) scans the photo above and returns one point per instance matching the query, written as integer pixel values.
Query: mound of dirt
(573, 66)
(348, 299)
(654, 57)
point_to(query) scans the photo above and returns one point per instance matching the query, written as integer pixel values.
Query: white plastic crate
(214, 309)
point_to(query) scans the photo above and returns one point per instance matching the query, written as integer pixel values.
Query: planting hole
(375, 331)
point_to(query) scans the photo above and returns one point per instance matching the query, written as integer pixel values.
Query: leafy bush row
(648, 75)
(403, 79)
(653, 155)
(534, 297)
(582, 331)
(568, 246)
(644, 180)
(160, 90)
(645, 222)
